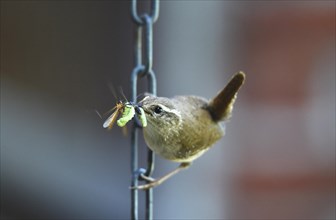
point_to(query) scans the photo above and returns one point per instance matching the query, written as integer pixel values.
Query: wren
(182, 128)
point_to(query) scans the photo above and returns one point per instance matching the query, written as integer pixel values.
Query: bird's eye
(158, 109)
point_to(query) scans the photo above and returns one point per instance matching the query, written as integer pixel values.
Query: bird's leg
(155, 182)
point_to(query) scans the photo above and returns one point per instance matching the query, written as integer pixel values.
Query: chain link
(142, 69)
(145, 21)
(154, 13)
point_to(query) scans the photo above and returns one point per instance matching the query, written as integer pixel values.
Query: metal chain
(143, 68)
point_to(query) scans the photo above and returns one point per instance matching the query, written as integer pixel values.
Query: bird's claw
(152, 183)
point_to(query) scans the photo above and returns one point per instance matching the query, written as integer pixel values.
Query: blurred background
(277, 160)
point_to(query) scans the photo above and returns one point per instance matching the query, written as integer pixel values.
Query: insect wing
(111, 120)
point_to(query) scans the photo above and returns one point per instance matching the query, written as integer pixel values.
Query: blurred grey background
(277, 160)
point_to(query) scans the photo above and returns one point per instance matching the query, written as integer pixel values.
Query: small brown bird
(182, 128)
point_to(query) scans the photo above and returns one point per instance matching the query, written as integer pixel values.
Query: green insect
(142, 117)
(127, 114)
(127, 111)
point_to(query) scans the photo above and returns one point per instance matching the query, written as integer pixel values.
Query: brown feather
(221, 106)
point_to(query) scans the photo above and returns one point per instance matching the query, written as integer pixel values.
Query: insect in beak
(127, 111)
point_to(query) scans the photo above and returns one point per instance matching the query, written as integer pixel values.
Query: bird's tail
(220, 107)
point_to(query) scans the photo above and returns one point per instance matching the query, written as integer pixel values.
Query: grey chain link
(142, 69)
